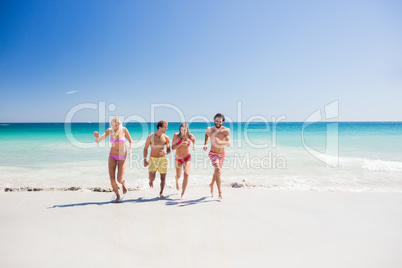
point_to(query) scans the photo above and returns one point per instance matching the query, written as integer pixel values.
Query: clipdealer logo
(267, 160)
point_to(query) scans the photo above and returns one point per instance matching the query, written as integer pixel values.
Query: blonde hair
(115, 133)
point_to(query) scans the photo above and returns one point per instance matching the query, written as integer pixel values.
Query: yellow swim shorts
(158, 164)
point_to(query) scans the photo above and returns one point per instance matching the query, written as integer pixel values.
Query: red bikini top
(180, 141)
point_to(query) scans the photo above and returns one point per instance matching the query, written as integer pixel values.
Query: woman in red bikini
(118, 153)
(181, 143)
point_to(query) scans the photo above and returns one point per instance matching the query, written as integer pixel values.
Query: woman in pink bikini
(118, 153)
(181, 143)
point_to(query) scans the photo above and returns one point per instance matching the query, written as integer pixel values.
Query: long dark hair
(188, 131)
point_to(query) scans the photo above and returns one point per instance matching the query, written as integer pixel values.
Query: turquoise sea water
(344, 156)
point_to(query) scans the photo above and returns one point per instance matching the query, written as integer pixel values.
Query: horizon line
(97, 122)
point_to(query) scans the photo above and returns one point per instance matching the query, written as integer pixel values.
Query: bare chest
(218, 134)
(158, 141)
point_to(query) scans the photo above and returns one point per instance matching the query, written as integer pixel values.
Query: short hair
(219, 115)
(161, 124)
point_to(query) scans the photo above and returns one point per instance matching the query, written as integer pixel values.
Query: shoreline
(171, 187)
(250, 226)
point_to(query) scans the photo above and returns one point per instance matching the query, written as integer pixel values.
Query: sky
(83, 60)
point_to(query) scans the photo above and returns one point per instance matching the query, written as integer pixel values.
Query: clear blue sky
(276, 57)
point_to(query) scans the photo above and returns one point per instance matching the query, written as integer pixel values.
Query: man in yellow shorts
(157, 160)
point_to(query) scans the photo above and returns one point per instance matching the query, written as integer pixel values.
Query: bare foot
(151, 184)
(117, 200)
(161, 195)
(182, 197)
(212, 189)
(124, 188)
(220, 196)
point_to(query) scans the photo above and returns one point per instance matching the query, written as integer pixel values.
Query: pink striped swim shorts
(216, 158)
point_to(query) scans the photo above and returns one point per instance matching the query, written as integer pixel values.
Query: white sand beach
(249, 228)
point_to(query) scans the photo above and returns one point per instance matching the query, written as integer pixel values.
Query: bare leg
(211, 185)
(120, 173)
(152, 176)
(186, 167)
(218, 179)
(178, 174)
(112, 174)
(163, 182)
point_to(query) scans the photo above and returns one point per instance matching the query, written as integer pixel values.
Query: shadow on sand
(184, 203)
(138, 200)
(169, 202)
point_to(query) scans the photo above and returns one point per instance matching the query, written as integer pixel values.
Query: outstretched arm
(101, 138)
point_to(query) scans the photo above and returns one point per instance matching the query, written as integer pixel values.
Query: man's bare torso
(222, 134)
(157, 144)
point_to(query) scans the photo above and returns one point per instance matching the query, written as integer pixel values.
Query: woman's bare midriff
(118, 149)
(183, 151)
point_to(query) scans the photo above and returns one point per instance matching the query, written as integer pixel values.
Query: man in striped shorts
(220, 138)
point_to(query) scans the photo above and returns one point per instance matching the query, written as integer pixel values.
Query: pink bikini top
(180, 141)
(121, 140)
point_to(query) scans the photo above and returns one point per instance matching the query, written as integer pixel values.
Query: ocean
(324, 156)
